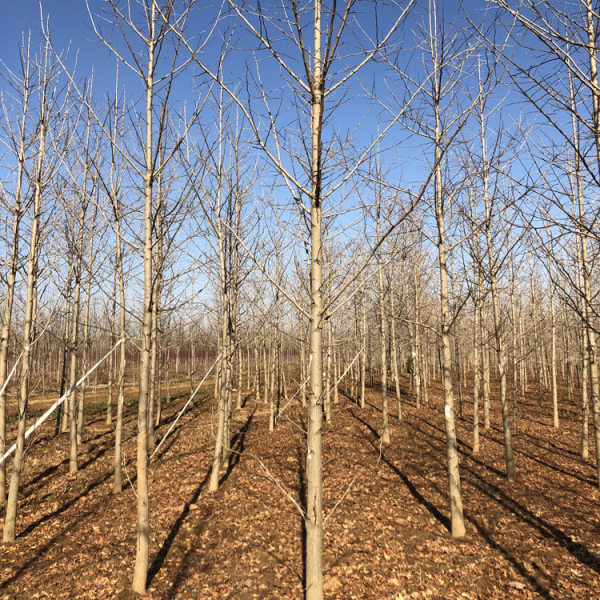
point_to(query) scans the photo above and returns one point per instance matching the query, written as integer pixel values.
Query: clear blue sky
(69, 24)
(68, 20)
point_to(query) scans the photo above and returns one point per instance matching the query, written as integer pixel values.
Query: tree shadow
(66, 506)
(463, 448)
(159, 559)
(30, 485)
(485, 534)
(37, 482)
(551, 446)
(245, 399)
(578, 550)
(366, 424)
(556, 468)
(166, 447)
(431, 508)
(237, 445)
(35, 559)
(168, 420)
(102, 434)
(530, 456)
(101, 452)
(183, 568)
(174, 435)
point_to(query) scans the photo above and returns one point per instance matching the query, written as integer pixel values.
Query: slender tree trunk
(500, 346)
(555, 418)
(111, 359)
(314, 459)
(120, 279)
(10, 520)
(153, 368)
(515, 362)
(302, 370)
(266, 377)
(73, 350)
(523, 362)
(476, 355)
(240, 383)
(418, 377)
(327, 399)
(486, 370)
(143, 514)
(385, 426)
(256, 372)
(456, 508)
(363, 352)
(86, 331)
(249, 369)
(537, 343)
(163, 377)
(582, 274)
(226, 335)
(117, 477)
(62, 414)
(395, 354)
(591, 332)
(11, 277)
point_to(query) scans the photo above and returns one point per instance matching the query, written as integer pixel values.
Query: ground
(386, 530)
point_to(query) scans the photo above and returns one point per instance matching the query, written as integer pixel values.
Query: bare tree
(440, 120)
(562, 79)
(309, 65)
(49, 124)
(152, 25)
(18, 139)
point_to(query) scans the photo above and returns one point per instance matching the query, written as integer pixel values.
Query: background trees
(326, 203)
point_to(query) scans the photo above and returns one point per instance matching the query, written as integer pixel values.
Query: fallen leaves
(385, 539)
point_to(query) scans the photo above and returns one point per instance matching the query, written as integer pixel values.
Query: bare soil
(386, 510)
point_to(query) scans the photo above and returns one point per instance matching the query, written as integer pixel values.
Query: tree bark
(10, 520)
(456, 508)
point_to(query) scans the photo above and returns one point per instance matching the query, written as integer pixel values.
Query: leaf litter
(386, 533)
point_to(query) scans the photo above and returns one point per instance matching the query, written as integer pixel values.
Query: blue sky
(68, 19)
(69, 24)
(407, 164)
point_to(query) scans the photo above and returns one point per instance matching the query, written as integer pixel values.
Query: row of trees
(254, 223)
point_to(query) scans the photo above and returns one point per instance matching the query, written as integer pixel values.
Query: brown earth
(386, 529)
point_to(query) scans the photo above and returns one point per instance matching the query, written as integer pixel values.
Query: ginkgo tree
(312, 47)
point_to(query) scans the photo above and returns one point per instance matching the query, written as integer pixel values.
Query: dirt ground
(386, 510)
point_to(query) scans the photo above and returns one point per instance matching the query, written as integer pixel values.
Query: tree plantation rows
(338, 232)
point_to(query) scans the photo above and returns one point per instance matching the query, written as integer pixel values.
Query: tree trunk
(314, 459)
(10, 520)
(555, 418)
(385, 426)
(493, 274)
(476, 355)
(11, 278)
(143, 514)
(395, 355)
(591, 332)
(515, 362)
(456, 508)
(486, 370)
